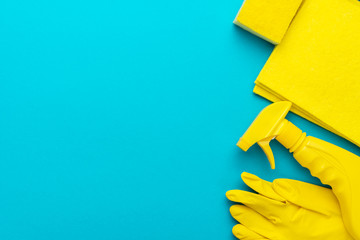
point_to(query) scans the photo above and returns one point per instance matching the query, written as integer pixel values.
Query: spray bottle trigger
(265, 146)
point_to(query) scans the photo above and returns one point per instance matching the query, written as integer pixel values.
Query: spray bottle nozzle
(267, 125)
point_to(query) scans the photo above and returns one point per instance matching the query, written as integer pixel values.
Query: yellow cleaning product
(286, 209)
(268, 19)
(333, 165)
(316, 65)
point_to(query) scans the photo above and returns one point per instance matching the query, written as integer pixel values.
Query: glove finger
(263, 205)
(253, 221)
(261, 186)
(243, 233)
(309, 196)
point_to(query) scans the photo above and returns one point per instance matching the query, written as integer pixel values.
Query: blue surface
(119, 119)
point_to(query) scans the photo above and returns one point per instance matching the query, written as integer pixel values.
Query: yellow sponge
(268, 19)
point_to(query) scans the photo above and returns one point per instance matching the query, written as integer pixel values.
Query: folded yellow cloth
(316, 65)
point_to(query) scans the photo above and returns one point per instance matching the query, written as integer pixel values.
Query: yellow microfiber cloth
(316, 65)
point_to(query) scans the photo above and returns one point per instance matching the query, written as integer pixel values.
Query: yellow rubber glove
(286, 209)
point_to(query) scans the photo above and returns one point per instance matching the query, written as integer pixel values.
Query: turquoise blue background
(119, 119)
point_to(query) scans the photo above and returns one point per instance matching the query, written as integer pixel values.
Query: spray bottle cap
(268, 125)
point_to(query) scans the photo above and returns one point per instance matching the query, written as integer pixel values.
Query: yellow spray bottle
(333, 165)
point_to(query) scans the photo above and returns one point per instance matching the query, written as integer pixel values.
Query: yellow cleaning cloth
(317, 66)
